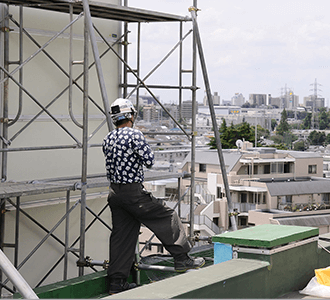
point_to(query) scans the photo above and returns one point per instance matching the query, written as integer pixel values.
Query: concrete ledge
(87, 286)
(230, 279)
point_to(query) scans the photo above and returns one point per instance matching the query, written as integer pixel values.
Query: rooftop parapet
(269, 262)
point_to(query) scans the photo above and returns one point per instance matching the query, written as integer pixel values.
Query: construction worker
(126, 152)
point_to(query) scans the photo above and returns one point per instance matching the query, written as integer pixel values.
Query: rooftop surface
(280, 274)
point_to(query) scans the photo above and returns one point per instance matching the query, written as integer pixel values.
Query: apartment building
(264, 179)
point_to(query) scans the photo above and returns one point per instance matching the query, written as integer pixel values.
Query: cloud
(249, 45)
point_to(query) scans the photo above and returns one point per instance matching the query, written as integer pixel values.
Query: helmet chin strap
(132, 121)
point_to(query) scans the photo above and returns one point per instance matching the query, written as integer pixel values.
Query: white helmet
(122, 109)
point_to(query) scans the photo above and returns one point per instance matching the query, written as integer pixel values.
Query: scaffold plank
(101, 10)
(17, 189)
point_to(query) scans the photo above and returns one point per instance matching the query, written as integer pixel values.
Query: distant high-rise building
(186, 109)
(215, 98)
(238, 99)
(314, 103)
(150, 113)
(258, 99)
(173, 109)
(288, 98)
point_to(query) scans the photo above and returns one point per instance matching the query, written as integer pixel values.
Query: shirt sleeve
(143, 149)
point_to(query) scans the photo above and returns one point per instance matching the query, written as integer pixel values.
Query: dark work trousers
(130, 206)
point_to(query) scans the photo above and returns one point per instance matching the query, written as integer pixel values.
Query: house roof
(303, 187)
(300, 154)
(210, 157)
(311, 221)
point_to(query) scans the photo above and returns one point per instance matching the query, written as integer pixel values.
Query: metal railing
(243, 207)
(205, 220)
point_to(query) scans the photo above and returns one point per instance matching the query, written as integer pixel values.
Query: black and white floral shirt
(126, 151)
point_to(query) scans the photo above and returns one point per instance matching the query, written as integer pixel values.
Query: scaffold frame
(10, 190)
(87, 10)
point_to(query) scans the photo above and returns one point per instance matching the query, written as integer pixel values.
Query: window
(160, 249)
(148, 246)
(280, 168)
(219, 194)
(243, 198)
(273, 168)
(325, 198)
(255, 169)
(288, 199)
(202, 168)
(312, 169)
(243, 221)
(267, 169)
(287, 168)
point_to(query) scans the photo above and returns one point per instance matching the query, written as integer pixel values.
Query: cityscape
(270, 169)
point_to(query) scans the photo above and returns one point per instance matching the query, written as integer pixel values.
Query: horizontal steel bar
(275, 250)
(163, 133)
(155, 86)
(40, 148)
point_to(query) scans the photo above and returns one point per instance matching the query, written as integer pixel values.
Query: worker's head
(122, 111)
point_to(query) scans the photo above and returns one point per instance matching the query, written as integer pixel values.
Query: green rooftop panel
(266, 236)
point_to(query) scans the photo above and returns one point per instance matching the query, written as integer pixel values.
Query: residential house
(261, 179)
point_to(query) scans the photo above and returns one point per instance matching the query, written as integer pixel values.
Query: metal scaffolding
(87, 10)
(11, 190)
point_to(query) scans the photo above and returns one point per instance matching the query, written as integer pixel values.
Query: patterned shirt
(126, 151)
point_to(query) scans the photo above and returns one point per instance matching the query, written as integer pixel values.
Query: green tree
(299, 146)
(261, 132)
(273, 124)
(316, 137)
(229, 135)
(323, 119)
(307, 121)
(327, 139)
(284, 125)
(277, 139)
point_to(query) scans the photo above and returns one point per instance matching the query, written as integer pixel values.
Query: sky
(250, 46)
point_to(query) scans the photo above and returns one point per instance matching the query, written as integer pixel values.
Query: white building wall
(45, 81)
(96, 246)
(212, 183)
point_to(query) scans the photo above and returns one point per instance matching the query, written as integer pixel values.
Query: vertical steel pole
(67, 228)
(180, 72)
(125, 70)
(138, 66)
(137, 253)
(179, 197)
(84, 151)
(4, 118)
(18, 203)
(214, 120)
(70, 93)
(87, 15)
(5, 93)
(193, 138)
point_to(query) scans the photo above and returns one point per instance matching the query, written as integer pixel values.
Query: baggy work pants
(132, 205)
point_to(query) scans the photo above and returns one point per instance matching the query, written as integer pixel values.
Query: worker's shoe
(118, 285)
(188, 263)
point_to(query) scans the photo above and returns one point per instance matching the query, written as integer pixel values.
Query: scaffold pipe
(16, 278)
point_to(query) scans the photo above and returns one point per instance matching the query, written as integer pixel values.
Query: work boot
(188, 263)
(118, 285)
